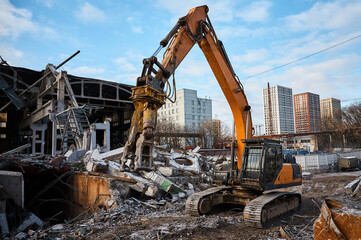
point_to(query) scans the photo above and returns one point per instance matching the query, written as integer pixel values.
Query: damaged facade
(61, 110)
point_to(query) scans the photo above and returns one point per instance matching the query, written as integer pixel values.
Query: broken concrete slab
(31, 220)
(168, 171)
(350, 188)
(112, 155)
(96, 166)
(142, 185)
(357, 191)
(75, 155)
(196, 150)
(18, 149)
(185, 162)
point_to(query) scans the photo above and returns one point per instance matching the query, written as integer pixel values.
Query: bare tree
(343, 130)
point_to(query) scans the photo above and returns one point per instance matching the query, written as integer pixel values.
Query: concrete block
(13, 183)
(168, 171)
(31, 220)
(96, 166)
(196, 149)
(357, 191)
(75, 155)
(350, 188)
(113, 155)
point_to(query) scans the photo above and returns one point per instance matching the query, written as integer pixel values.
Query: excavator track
(202, 202)
(260, 211)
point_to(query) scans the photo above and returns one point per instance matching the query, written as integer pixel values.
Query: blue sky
(114, 37)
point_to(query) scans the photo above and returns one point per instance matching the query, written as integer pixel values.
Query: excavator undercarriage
(259, 209)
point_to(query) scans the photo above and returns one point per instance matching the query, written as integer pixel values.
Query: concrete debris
(75, 154)
(173, 171)
(169, 171)
(350, 188)
(31, 221)
(357, 191)
(18, 149)
(96, 166)
(21, 236)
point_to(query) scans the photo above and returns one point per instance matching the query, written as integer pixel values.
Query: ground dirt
(135, 219)
(227, 223)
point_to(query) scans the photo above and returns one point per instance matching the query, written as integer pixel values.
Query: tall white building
(188, 110)
(281, 110)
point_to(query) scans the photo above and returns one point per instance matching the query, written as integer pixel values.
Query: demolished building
(57, 110)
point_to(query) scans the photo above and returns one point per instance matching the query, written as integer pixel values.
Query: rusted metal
(337, 221)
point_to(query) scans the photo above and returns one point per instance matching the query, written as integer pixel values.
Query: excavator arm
(153, 86)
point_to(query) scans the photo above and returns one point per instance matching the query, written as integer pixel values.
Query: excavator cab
(262, 162)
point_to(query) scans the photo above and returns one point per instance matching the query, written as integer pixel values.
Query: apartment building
(278, 110)
(329, 108)
(307, 112)
(188, 110)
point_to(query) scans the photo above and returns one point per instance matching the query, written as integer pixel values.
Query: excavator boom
(260, 163)
(149, 94)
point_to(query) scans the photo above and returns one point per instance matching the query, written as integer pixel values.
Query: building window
(199, 110)
(192, 110)
(172, 111)
(192, 102)
(204, 110)
(3, 135)
(192, 117)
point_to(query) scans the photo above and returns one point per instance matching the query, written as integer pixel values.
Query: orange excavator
(260, 166)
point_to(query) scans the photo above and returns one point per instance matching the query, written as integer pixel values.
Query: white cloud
(135, 29)
(124, 64)
(253, 55)
(86, 71)
(47, 3)
(219, 11)
(89, 13)
(130, 62)
(255, 12)
(15, 21)
(127, 78)
(11, 55)
(192, 67)
(336, 15)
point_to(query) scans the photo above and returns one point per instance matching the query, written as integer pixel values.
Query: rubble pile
(34, 162)
(176, 174)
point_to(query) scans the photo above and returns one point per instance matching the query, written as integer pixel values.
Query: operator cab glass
(252, 160)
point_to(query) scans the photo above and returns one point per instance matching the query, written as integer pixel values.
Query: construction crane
(260, 165)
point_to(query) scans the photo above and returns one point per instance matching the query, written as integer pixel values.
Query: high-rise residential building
(330, 108)
(278, 110)
(307, 112)
(188, 110)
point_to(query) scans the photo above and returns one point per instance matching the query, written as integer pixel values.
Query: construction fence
(314, 162)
